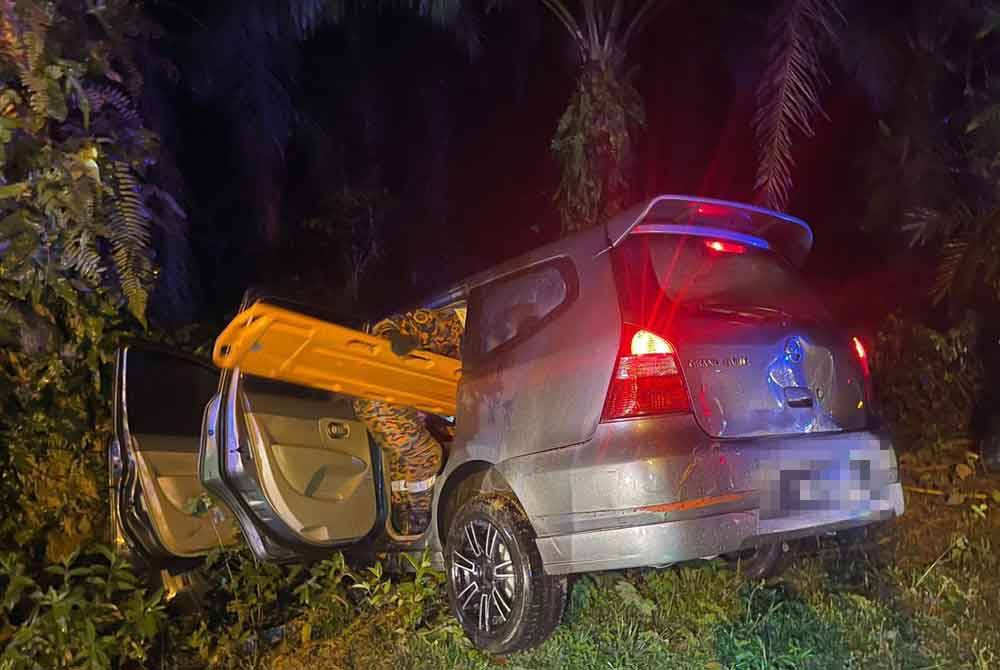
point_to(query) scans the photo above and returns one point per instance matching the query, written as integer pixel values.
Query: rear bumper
(659, 491)
(705, 537)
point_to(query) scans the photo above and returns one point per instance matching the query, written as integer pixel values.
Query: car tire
(762, 561)
(492, 563)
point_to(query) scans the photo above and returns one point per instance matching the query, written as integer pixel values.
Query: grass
(920, 592)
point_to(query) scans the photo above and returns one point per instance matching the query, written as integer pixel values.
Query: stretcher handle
(238, 337)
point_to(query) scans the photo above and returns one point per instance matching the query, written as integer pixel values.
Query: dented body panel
(658, 491)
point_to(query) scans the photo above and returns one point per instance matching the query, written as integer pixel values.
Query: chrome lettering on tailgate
(719, 363)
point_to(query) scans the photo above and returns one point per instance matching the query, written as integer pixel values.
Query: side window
(165, 394)
(514, 307)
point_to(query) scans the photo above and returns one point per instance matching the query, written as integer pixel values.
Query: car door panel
(305, 473)
(159, 502)
(170, 486)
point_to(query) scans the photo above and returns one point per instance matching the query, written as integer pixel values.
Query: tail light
(647, 378)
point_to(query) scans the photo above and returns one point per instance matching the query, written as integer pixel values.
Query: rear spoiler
(683, 214)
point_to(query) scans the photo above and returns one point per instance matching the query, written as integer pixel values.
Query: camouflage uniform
(414, 455)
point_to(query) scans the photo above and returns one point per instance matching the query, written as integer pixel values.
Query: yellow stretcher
(277, 343)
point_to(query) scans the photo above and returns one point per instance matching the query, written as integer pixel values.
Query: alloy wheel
(483, 576)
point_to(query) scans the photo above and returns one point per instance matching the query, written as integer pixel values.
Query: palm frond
(954, 256)
(925, 224)
(968, 258)
(788, 96)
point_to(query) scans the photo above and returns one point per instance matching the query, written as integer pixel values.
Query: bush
(83, 613)
(264, 615)
(926, 382)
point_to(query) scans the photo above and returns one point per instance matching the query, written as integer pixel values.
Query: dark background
(264, 126)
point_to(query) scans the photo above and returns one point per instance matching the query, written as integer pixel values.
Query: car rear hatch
(758, 353)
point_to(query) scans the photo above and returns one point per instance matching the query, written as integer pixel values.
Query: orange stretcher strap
(277, 343)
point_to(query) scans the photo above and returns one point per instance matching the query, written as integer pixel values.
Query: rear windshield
(738, 280)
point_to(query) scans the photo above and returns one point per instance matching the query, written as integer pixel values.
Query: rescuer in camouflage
(415, 456)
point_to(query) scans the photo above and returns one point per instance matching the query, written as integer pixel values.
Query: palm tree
(938, 158)
(593, 141)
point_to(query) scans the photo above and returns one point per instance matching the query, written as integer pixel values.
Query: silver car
(658, 389)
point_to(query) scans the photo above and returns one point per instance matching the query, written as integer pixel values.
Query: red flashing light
(647, 378)
(723, 247)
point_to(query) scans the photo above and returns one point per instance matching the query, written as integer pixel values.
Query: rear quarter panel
(547, 390)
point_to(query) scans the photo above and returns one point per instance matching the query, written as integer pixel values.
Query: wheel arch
(477, 476)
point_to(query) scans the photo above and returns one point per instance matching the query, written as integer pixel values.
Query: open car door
(299, 471)
(159, 509)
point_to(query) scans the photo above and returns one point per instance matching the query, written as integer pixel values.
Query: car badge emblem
(793, 350)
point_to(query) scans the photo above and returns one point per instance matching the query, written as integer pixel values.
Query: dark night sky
(462, 143)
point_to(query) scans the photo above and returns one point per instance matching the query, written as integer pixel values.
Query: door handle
(338, 430)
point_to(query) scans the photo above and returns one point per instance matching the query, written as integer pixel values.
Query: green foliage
(76, 264)
(781, 633)
(74, 156)
(264, 615)
(247, 599)
(936, 181)
(90, 614)
(593, 144)
(926, 382)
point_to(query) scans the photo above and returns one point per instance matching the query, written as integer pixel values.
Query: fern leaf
(788, 96)
(130, 239)
(100, 96)
(82, 256)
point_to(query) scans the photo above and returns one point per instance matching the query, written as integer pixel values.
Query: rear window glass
(165, 394)
(742, 280)
(514, 307)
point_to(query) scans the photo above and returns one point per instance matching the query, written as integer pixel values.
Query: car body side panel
(548, 390)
